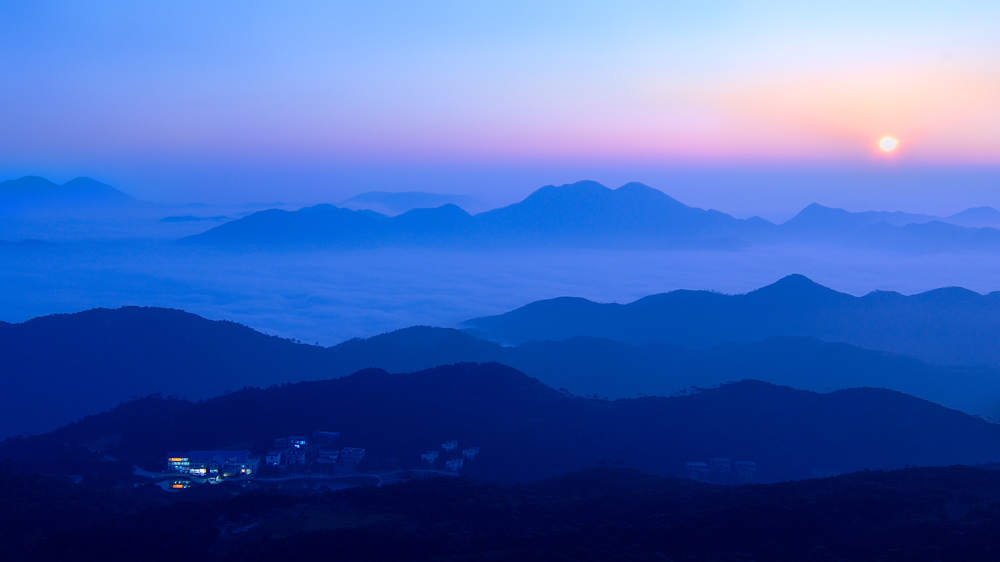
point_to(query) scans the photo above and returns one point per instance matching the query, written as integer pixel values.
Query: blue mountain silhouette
(950, 326)
(62, 367)
(589, 214)
(527, 430)
(32, 194)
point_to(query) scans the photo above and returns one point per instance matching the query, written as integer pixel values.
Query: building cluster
(213, 464)
(720, 470)
(287, 453)
(452, 464)
(300, 450)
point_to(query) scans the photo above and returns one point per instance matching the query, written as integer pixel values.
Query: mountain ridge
(527, 430)
(942, 326)
(396, 203)
(589, 214)
(36, 194)
(52, 362)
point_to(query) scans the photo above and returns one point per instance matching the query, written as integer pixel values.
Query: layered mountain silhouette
(950, 326)
(192, 218)
(526, 430)
(819, 224)
(589, 214)
(32, 194)
(977, 217)
(62, 367)
(397, 203)
(583, 214)
(580, 213)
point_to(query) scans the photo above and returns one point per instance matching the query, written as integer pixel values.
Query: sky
(749, 107)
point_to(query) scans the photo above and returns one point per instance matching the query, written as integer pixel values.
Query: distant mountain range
(588, 214)
(59, 368)
(526, 430)
(583, 214)
(397, 203)
(32, 194)
(976, 217)
(950, 326)
(192, 218)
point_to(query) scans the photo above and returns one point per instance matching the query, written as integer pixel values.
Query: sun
(888, 144)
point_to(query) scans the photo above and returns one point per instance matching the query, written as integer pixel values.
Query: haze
(750, 108)
(508, 281)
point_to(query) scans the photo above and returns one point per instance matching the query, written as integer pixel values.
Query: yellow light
(888, 144)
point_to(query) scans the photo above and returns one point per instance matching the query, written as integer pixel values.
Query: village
(318, 454)
(720, 470)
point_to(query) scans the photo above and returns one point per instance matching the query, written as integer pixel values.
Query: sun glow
(888, 144)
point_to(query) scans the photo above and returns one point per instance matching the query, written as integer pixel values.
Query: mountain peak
(26, 184)
(796, 286)
(38, 192)
(396, 203)
(585, 188)
(815, 211)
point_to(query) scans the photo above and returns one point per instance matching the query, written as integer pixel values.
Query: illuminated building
(225, 464)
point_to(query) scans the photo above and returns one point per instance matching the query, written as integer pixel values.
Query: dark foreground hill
(924, 514)
(528, 431)
(59, 368)
(950, 326)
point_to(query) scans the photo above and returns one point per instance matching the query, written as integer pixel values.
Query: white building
(328, 456)
(294, 457)
(351, 456)
(719, 464)
(273, 458)
(697, 471)
(746, 471)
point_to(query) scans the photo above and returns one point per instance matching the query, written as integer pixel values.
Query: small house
(328, 456)
(351, 456)
(719, 464)
(295, 457)
(746, 471)
(273, 458)
(697, 471)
